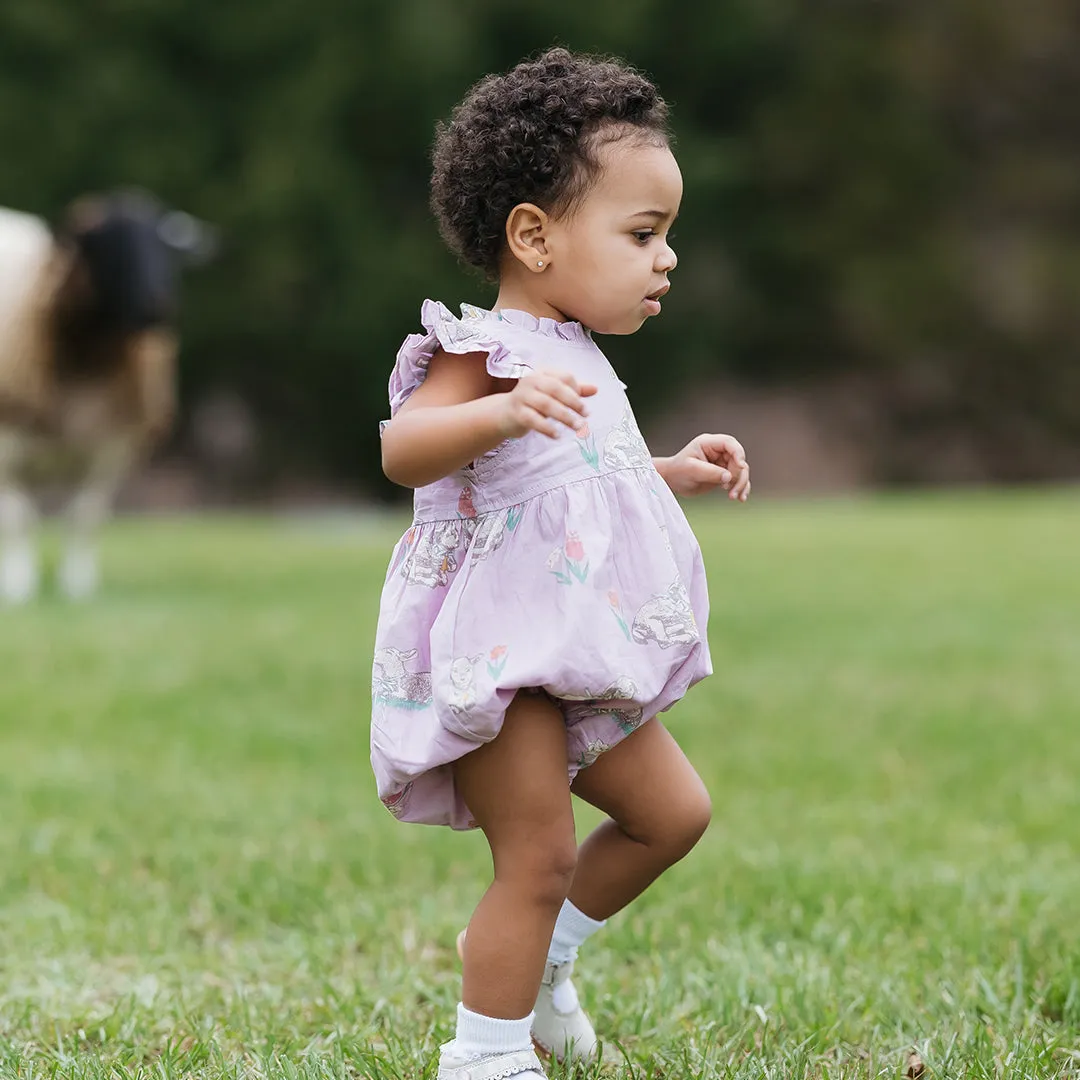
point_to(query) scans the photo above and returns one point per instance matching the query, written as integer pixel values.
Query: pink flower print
(569, 562)
(616, 610)
(465, 504)
(554, 563)
(576, 563)
(497, 660)
(587, 446)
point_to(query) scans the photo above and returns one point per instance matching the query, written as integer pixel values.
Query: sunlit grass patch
(198, 879)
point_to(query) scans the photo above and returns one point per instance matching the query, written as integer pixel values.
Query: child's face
(609, 259)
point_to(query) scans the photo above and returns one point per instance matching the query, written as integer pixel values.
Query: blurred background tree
(881, 197)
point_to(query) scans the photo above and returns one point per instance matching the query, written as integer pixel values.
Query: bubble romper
(557, 566)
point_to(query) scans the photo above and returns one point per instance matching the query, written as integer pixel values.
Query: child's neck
(516, 295)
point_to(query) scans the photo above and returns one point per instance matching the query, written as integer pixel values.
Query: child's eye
(642, 235)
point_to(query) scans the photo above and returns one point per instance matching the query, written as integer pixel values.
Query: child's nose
(667, 260)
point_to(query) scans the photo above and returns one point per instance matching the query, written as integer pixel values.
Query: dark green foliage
(886, 190)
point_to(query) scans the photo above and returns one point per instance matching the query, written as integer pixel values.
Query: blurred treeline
(881, 196)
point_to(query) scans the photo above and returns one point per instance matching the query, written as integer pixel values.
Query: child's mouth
(652, 301)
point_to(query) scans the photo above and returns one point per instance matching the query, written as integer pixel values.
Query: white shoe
(565, 1033)
(519, 1064)
(560, 1026)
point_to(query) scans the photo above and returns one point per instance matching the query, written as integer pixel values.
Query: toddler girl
(549, 599)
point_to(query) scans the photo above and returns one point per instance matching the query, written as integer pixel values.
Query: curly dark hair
(533, 135)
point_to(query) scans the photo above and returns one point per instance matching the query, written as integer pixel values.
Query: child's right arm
(460, 412)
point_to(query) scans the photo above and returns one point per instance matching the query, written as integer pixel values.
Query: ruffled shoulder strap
(476, 331)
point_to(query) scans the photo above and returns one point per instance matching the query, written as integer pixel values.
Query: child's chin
(620, 327)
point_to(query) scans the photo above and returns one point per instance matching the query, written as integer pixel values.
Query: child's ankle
(478, 1035)
(572, 929)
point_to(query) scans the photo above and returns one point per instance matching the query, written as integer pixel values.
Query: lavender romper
(564, 566)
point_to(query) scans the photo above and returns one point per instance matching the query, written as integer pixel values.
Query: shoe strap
(502, 1067)
(557, 973)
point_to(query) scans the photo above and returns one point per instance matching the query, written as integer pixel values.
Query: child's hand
(709, 461)
(543, 400)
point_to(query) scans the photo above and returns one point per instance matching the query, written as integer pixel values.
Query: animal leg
(89, 507)
(18, 558)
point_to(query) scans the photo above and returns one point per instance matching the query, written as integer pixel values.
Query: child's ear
(526, 228)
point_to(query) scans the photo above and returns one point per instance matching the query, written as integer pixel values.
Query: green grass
(198, 880)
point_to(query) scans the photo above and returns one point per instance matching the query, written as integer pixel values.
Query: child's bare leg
(658, 808)
(516, 788)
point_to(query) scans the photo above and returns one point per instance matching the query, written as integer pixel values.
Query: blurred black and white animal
(87, 368)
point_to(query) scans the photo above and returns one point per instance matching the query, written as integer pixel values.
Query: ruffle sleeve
(475, 331)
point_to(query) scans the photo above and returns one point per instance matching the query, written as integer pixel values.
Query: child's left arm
(707, 462)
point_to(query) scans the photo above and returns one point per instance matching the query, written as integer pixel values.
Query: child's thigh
(646, 783)
(518, 782)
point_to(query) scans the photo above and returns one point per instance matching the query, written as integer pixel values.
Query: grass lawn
(197, 880)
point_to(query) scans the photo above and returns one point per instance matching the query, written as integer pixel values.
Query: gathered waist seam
(449, 513)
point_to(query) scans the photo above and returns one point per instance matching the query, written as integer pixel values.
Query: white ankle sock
(479, 1036)
(572, 929)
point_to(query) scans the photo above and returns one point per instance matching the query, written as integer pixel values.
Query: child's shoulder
(474, 331)
(515, 341)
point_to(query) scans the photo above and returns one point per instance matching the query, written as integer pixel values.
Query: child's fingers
(549, 398)
(551, 406)
(557, 381)
(554, 413)
(725, 446)
(533, 418)
(557, 399)
(735, 448)
(569, 393)
(706, 472)
(741, 488)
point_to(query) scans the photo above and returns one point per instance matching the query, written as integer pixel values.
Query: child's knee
(544, 863)
(555, 860)
(697, 819)
(685, 823)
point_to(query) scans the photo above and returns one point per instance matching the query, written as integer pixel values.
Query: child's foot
(518, 1065)
(560, 1027)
